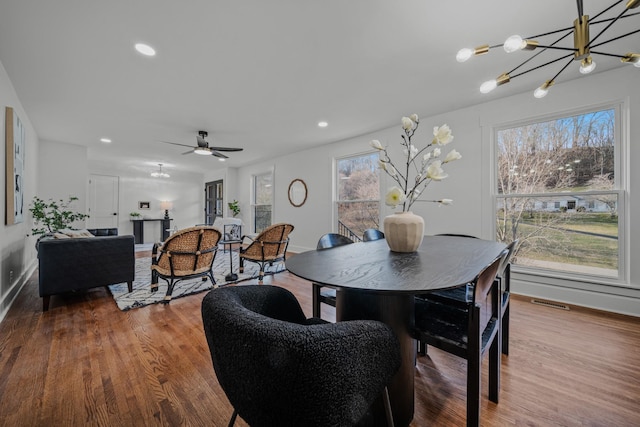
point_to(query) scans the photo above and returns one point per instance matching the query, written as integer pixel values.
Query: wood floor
(86, 363)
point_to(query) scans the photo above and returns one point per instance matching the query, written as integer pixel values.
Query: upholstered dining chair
(504, 282)
(320, 294)
(371, 234)
(186, 254)
(279, 368)
(268, 247)
(467, 329)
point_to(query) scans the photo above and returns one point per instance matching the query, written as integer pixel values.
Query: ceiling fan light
(220, 159)
(203, 151)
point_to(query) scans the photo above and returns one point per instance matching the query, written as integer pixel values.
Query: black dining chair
(320, 294)
(278, 368)
(467, 329)
(504, 282)
(371, 234)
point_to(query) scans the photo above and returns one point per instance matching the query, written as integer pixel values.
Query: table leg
(397, 312)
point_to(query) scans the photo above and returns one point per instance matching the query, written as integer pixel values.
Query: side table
(231, 276)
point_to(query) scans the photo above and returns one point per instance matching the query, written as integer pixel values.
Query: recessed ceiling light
(105, 140)
(323, 124)
(145, 49)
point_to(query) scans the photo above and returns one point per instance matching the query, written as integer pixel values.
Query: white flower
(426, 156)
(391, 170)
(436, 152)
(407, 123)
(442, 135)
(376, 144)
(413, 149)
(435, 172)
(414, 117)
(445, 202)
(394, 197)
(453, 155)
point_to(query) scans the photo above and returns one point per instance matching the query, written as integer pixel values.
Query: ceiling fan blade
(201, 142)
(220, 155)
(175, 143)
(226, 148)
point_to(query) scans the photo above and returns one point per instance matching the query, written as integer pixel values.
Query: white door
(103, 201)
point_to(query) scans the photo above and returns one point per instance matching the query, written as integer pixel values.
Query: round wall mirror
(297, 192)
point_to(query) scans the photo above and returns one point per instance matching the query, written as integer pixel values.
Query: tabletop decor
(404, 230)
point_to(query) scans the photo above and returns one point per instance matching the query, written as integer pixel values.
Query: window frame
(254, 192)
(621, 190)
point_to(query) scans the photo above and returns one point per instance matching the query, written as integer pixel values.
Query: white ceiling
(260, 74)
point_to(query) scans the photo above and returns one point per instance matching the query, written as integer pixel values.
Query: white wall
(17, 251)
(469, 182)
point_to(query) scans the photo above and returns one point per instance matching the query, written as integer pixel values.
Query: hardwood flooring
(86, 363)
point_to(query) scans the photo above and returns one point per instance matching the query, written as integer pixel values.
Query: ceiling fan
(203, 147)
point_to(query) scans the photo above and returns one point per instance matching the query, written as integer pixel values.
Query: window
(558, 191)
(262, 201)
(358, 194)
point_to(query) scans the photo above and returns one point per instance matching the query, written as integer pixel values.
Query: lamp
(159, 173)
(581, 50)
(166, 205)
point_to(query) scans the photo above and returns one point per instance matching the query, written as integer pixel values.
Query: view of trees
(358, 193)
(554, 183)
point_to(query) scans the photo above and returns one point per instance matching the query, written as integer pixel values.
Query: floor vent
(550, 304)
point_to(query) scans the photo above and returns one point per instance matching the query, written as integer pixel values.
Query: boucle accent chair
(186, 254)
(268, 247)
(279, 368)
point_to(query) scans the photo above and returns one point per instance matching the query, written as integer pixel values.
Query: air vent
(550, 304)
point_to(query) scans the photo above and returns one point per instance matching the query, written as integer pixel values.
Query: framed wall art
(144, 205)
(14, 166)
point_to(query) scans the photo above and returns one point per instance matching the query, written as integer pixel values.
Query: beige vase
(404, 231)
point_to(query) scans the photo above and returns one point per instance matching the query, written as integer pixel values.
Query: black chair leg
(232, 421)
(130, 286)
(494, 370)
(505, 331)
(315, 295)
(154, 281)
(167, 297)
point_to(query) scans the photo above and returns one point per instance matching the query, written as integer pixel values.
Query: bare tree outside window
(358, 183)
(557, 193)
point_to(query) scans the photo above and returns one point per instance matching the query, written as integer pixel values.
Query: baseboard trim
(14, 291)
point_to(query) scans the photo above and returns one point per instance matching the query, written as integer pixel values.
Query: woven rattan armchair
(186, 254)
(268, 247)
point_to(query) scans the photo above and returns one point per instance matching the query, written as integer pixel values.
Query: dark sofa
(81, 263)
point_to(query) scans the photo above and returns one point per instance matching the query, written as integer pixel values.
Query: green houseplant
(234, 207)
(51, 216)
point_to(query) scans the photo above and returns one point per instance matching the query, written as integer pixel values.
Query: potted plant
(51, 216)
(135, 215)
(234, 207)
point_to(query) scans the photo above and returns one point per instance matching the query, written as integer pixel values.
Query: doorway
(213, 201)
(103, 201)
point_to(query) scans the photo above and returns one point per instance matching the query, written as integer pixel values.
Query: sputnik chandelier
(581, 50)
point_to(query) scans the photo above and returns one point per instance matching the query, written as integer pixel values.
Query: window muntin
(358, 194)
(262, 201)
(558, 192)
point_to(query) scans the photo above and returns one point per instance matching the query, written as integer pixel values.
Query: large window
(262, 201)
(358, 194)
(558, 191)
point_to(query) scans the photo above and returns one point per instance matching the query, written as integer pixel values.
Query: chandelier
(581, 50)
(159, 173)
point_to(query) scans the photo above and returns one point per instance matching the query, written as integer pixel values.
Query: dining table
(375, 283)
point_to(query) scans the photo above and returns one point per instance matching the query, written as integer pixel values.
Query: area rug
(142, 295)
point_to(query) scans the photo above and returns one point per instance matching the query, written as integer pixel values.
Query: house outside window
(262, 203)
(558, 191)
(358, 194)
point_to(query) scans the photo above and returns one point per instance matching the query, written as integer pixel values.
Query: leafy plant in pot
(234, 207)
(51, 216)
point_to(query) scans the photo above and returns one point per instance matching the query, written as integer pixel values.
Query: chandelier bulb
(513, 43)
(488, 86)
(464, 54)
(587, 65)
(540, 92)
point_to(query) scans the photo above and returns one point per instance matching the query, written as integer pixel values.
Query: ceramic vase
(403, 231)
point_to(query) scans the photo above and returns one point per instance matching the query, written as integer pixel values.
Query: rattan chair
(186, 254)
(268, 247)
(279, 368)
(326, 295)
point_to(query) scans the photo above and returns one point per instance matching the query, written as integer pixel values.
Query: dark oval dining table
(375, 283)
